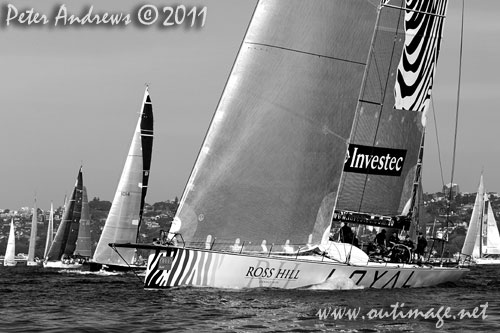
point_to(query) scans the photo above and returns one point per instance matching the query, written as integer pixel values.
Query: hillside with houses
(440, 217)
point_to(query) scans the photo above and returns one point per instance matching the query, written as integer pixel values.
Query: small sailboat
(125, 216)
(32, 247)
(61, 251)
(322, 118)
(10, 252)
(50, 231)
(482, 242)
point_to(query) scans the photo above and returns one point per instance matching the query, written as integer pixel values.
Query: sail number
(173, 16)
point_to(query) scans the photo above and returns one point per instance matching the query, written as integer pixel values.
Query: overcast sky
(71, 95)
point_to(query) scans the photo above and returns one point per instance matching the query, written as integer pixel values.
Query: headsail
(125, 215)
(32, 246)
(68, 229)
(272, 160)
(83, 243)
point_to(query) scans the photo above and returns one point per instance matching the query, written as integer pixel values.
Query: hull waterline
(174, 266)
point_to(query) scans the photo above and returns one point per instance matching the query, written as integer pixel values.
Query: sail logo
(374, 160)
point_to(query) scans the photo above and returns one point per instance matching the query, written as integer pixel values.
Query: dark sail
(391, 111)
(66, 228)
(83, 243)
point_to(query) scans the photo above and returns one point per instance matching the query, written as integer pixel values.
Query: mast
(50, 230)
(32, 246)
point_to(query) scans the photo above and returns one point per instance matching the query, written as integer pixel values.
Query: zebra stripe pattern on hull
(424, 20)
(188, 268)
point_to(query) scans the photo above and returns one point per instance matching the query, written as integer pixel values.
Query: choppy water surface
(38, 300)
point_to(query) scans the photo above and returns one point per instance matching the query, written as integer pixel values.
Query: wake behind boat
(322, 118)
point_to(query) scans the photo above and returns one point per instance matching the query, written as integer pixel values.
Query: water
(38, 300)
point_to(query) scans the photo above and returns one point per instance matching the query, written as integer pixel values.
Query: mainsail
(10, 252)
(83, 243)
(125, 215)
(32, 246)
(67, 232)
(309, 87)
(50, 231)
(385, 153)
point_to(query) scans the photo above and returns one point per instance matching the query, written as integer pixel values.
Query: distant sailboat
(322, 117)
(50, 231)
(125, 215)
(10, 252)
(63, 247)
(482, 242)
(83, 244)
(32, 247)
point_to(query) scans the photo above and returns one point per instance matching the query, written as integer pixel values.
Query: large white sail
(32, 246)
(308, 84)
(50, 230)
(10, 252)
(125, 215)
(473, 238)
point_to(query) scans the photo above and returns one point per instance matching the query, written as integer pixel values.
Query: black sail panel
(74, 225)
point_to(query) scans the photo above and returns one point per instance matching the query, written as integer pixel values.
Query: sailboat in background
(50, 230)
(84, 244)
(32, 247)
(10, 252)
(482, 242)
(61, 251)
(321, 119)
(125, 216)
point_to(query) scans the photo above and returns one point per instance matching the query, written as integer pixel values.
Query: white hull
(487, 261)
(61, 265)
(9, 263)
(173, 266)
(33, 263)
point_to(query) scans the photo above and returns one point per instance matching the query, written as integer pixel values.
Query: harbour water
(38, 300)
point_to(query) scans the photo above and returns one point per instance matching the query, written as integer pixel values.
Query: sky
(70, 96)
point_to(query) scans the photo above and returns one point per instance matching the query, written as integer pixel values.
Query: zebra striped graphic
(188, 268)
(424, 20)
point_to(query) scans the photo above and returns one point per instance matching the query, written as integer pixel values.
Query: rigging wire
(450, 196)
(437, 140)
